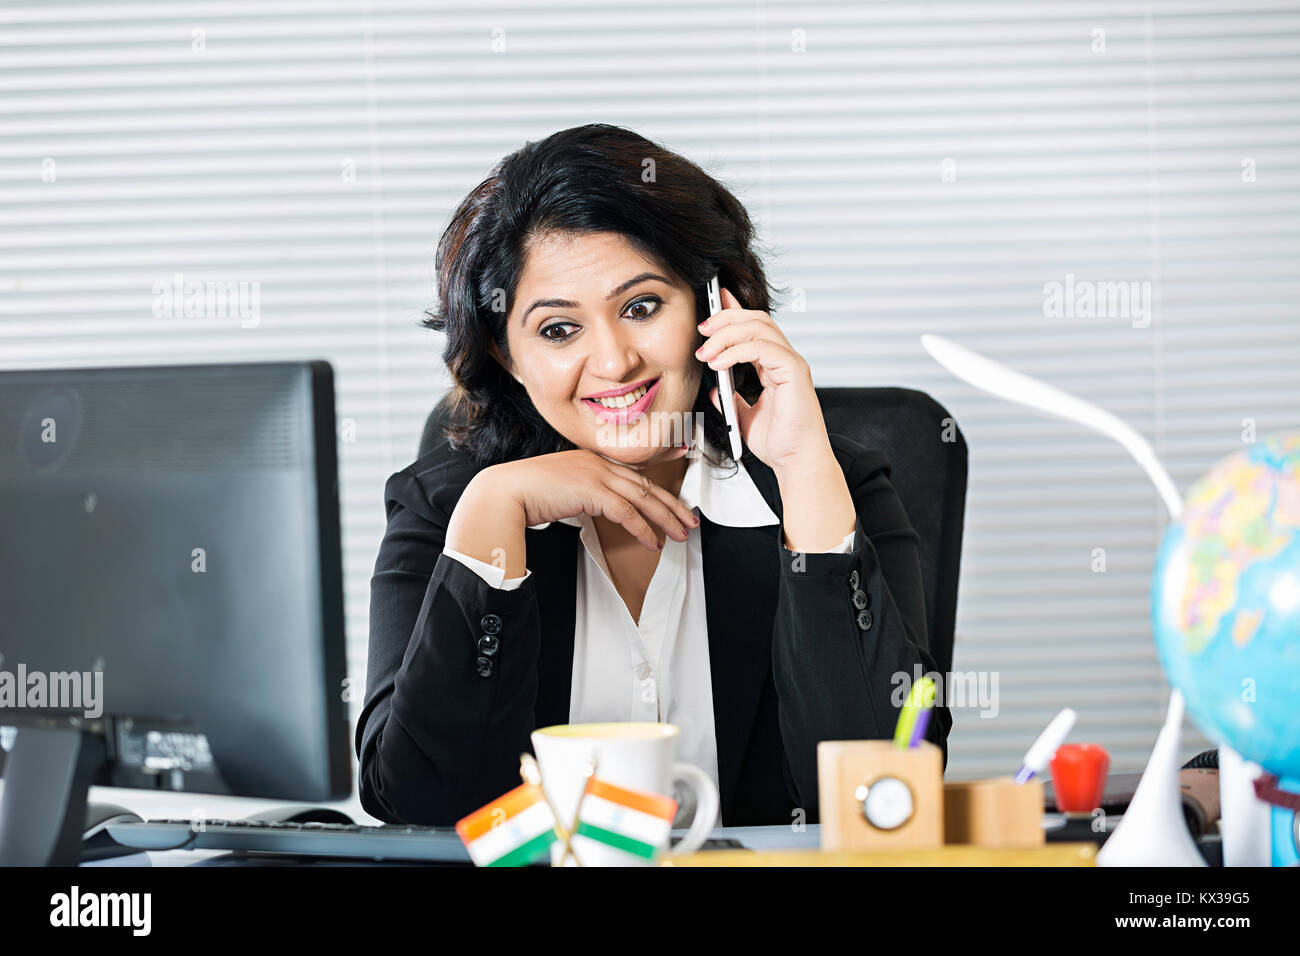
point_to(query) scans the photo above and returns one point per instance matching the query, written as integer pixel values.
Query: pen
(919, 700)
(1037, 756)
(918, 732)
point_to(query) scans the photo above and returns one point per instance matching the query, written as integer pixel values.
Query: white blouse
(655, 669)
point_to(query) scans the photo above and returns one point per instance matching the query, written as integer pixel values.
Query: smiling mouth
(623, 407)
(624, 400)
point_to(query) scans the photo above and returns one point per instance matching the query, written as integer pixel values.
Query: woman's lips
(631, 412)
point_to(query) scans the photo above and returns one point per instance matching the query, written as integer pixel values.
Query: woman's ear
(502, 361)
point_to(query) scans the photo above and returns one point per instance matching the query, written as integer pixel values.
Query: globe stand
(1244, 820)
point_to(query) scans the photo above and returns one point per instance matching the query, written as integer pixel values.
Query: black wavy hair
(595, 178)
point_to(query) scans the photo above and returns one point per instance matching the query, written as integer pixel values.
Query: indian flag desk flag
(612, 823)
(631, 821)
(514, 830)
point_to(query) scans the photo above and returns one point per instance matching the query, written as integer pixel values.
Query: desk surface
(753, 838)
(768, 839)
(152, 804)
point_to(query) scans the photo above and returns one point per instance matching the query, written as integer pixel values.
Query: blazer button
(483, 666)
(860, 599)
(864, 620)
(853, 579)
(488, 645)
(491, 624)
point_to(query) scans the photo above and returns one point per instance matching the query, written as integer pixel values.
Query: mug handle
(706, 808)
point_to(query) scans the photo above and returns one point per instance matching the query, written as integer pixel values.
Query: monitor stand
(43, 809)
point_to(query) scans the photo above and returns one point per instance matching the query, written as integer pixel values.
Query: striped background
(317, 148)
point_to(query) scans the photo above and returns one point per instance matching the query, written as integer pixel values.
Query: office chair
(929, 459)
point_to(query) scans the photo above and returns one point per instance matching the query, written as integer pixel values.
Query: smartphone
(726, 386)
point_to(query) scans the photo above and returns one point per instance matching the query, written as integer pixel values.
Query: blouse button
(864, 620)
(483, 666)
(860, 599)
(491, 624)
(853, 579)
(488, 645)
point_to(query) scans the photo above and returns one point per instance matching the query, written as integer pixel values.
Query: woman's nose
(613, 354)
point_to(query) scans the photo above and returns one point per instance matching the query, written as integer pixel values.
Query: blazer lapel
(554, 552)
(740, 575)
(741, 572)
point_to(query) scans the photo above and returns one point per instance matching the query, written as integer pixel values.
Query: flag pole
(532, 774)
(588, 772)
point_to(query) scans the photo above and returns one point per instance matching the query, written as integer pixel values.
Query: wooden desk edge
(1052, 854)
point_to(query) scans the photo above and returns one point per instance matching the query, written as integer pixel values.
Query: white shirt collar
(723, 497)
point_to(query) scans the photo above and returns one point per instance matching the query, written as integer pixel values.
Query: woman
(545, 563)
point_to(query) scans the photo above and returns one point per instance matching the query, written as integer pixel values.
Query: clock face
(887, 804)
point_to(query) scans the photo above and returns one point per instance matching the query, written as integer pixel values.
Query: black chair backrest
(929, 459)
(928, 456)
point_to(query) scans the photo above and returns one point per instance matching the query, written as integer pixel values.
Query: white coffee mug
(635, 755)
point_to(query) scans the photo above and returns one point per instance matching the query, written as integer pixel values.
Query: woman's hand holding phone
(785, 426)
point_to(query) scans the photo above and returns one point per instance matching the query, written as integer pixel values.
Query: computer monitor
(171, 600)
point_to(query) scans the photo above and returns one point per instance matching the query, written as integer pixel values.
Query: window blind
(914, 168)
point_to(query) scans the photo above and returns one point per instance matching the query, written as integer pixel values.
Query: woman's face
(592, 315)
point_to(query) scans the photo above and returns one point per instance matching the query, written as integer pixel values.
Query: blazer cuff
(494, 576)
(844, 547)
(835, 563)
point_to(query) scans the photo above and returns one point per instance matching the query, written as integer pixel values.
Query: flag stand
(531, 773)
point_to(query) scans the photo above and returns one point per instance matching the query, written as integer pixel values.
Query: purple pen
(918, 731)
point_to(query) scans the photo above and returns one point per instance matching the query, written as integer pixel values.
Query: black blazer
(793, 660)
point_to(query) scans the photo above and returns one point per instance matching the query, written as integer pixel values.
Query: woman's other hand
(502, 500)
(569, 483)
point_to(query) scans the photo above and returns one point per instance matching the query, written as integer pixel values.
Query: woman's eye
(644, 301)
(546, 332)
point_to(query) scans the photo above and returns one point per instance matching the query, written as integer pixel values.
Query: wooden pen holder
(994, 813)
(873, 795)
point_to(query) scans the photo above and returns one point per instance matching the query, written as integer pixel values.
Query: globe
(1226, 603)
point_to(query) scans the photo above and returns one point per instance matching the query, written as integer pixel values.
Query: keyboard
(387, 842)
(390, 841)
